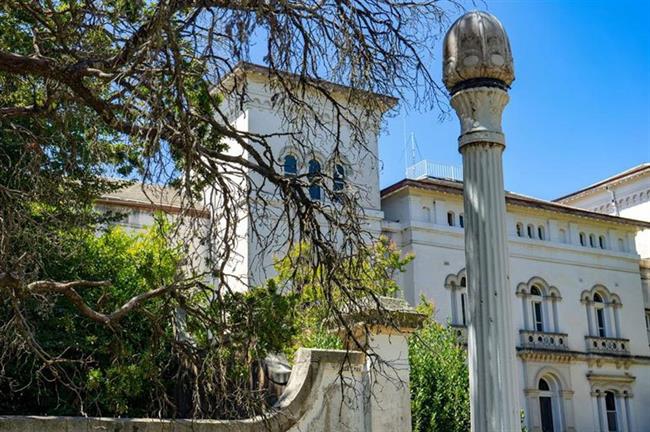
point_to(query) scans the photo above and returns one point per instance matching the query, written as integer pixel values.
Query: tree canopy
(91, 91)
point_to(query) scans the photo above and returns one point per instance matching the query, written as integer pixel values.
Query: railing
(427, 168)
(460, 331)
(543, 340)
(607, 345)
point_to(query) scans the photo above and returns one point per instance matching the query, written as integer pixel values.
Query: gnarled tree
(91, 90)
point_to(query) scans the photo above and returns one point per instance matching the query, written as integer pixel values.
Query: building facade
(580, 292)
(577, 297)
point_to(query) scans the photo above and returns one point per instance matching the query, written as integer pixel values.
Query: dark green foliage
(439, 381)
(135, 368)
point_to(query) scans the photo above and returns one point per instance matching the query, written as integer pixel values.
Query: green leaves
(439, 380)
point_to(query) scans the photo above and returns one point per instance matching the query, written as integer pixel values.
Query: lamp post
(477, 71)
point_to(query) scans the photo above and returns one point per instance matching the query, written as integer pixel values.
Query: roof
(456, 188)
(148, 197)
(632, 172)
(246, 67)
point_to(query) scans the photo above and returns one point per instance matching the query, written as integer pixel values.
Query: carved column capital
(479, 110)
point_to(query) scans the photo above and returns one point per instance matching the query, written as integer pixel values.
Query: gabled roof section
(456, 188)
(386, 102)
(149, 198)
(625, 175)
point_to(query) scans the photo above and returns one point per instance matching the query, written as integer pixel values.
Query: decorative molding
(619, 384)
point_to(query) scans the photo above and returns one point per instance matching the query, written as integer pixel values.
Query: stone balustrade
(533, 339)
(607, 345)
(460, 331)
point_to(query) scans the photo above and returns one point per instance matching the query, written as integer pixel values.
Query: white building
(578, 302)
(580, 306)
(625, 194)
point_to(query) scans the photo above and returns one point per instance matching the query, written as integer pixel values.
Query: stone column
(602, 411)
(567, 404)
(477, 72)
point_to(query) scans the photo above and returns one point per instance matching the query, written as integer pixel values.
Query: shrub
(439, 379)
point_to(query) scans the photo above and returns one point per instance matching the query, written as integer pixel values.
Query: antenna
(415, 156)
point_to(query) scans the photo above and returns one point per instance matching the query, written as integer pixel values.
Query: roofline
(243, 66)
(152, 206)
(627, 173)
(512, 199)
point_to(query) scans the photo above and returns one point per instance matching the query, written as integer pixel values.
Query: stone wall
(328, 391)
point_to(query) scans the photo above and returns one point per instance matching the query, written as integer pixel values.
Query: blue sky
(579, 108)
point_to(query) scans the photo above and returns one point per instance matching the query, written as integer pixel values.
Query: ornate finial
(477, 53)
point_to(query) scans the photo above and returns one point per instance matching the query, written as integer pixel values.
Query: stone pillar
(622, 417)
(383, 327)
(602, 412)
(567, 404)
(477, 72)
(556, 323)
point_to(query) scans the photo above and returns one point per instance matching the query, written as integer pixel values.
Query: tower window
(541, 234)
(339, 181)
(461, 221)
(290, 165)
(314, 177)
(520, 229)
(530, 230)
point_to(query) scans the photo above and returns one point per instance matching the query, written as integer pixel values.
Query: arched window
(338, 177)
(603, 310)
(621, 245)
(601, 242)
(539, 302)
(426, 213)
(290, 165)
(457, 285)
(530, 231)
(610, 410)
(461, 221)
(541, 233)
(583, 239)
(562, 235)
(520, 229)
(314, 177)
(451, 218)
(592, 240)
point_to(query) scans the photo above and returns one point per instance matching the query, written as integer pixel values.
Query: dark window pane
(546, 412)
(600, 316)
(537, 311)
(290, 165)
(462, 306)
(543, 385)
(314, 171)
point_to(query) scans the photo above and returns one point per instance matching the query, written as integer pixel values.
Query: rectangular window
(600, 321)
(610, 408)
(537, 316)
